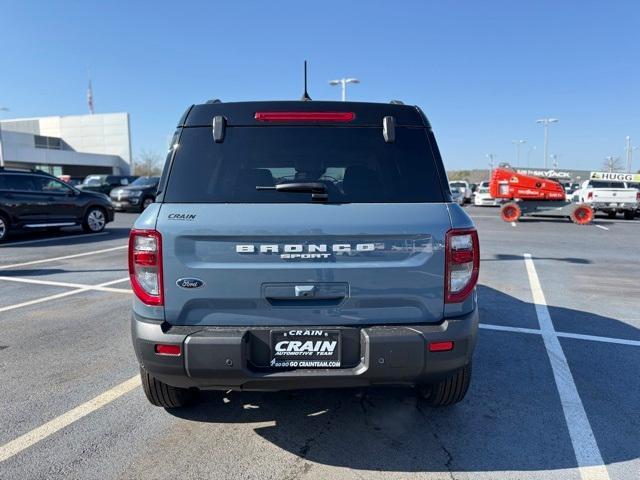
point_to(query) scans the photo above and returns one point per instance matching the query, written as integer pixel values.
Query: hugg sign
(621, 177)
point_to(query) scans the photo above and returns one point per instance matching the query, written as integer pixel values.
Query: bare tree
(612, 164)
(148, 163)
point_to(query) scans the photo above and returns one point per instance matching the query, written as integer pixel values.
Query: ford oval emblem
(189, 283)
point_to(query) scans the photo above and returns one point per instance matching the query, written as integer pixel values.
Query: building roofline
(25, 119)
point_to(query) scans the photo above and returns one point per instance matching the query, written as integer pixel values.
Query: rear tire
(612, 214)
(581, 215)
(629, 215)
(94, 220)
(510, 212)
(4, 228)
(448, 391)
(162, 395)
(145, 203)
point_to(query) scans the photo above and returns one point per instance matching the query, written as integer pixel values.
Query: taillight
(590, 196)
(145, 265)
(462, 263)
(304, 116)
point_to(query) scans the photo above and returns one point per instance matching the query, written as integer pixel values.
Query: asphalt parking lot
(554, 392)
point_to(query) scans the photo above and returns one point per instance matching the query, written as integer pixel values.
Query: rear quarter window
(354, 163)
(17, 182)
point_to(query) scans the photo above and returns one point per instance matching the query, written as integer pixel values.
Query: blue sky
(482, 71)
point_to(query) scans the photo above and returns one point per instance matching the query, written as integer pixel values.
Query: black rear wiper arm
(318, 190)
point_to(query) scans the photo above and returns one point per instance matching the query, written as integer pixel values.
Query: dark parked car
(32, 200)
(137, 196)
(105, 183)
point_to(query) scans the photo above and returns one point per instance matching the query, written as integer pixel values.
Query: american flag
(90, 98)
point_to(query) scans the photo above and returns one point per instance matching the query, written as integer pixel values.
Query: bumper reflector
(172, 350)
(440, 346)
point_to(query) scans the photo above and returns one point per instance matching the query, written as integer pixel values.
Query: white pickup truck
(609, 196)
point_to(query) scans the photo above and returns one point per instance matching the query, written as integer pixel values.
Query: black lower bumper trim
(219, 357)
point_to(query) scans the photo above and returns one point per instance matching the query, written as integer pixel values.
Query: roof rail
(213, 100)
(396, 102)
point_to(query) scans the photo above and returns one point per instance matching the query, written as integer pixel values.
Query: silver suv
(303, 245)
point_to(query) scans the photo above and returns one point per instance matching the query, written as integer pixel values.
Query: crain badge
(189, 217)
(189, 283)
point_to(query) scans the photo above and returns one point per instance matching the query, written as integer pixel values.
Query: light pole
(531, 149)
(554, 160)
(629, 150)
(545, 122)
(344, 82)
(517, 143)
(2, 109)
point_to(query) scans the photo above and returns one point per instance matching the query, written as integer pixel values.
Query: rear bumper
(614, 207)
(220, 357)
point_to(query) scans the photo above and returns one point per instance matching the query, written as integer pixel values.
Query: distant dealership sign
(622, 177)
(552, 173)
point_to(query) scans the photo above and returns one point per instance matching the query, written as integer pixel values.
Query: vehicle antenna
(305, 96)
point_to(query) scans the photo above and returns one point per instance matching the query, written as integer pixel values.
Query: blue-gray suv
(303, 245)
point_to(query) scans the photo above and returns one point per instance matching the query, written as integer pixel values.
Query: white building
(76, 145)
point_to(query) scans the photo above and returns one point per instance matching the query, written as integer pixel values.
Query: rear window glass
(145, 182)
(354, 163)
(94, 180)
(605, 184)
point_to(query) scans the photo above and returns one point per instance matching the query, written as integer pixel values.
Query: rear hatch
(370, 253)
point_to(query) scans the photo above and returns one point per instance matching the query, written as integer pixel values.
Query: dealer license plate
(299, 348)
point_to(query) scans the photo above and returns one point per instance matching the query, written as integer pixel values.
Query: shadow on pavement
(511, 420)
(503, 257)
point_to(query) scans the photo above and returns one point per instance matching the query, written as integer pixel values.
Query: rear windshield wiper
(317, 190)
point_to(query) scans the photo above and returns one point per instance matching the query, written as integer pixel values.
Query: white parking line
(25, 441)
(64, 284)
(603, 228)
(76, 255)
(596, 338)
(577, 336)
(53, 239)
(585, 447)
(503, 328)
(513, 224)
(61, 295)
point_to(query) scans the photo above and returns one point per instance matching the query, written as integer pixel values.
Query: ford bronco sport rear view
(303, 245)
